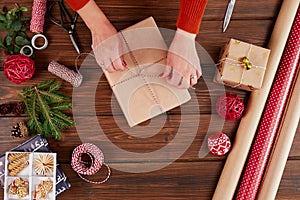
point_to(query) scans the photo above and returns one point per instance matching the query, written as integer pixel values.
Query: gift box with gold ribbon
(242, 65)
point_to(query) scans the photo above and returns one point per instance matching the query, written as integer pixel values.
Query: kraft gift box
(140, 92)
(233, 72)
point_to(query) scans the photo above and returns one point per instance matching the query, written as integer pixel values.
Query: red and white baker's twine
(97, 159)
(75, 78)
(273, 113)
(38, 16)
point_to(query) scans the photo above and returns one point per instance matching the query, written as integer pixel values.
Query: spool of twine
(97, 158)
(38, 16)
(75, 78)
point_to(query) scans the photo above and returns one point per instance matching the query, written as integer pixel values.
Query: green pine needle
(43, 106)
(45, 84)
(55, 87)
(61, 106)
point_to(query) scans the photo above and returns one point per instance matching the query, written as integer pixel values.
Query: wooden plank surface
(189, 176)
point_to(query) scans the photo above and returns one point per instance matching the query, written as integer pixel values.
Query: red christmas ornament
(219, 144)
(230, 107)
(18, 68)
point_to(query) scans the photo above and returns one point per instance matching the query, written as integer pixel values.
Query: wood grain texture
(211, 38)
(180, 180)
(190, 176)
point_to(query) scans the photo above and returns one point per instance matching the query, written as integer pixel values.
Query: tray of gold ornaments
(30, 176)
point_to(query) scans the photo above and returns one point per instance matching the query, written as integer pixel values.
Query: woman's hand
(106, 42)
(107, 47)
(183, 64)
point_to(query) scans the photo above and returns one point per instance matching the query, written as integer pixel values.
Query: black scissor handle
(63, 13)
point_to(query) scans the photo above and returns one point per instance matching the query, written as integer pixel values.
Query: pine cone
(19, 130)
(18, 108)
(5, 109)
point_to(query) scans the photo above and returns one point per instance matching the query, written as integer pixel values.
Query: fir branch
(55, 87)
(48, 120)
(64, 118)
(54, 97)
(43, 108)
(59, 107)
(33, 124)
(45, 84)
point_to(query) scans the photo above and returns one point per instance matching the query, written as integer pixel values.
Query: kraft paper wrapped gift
(141, 93)
(233, 72)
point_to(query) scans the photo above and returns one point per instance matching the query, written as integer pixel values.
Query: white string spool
(75, 78)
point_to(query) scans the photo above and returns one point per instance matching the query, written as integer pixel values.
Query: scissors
(66, 22)
(228, 14)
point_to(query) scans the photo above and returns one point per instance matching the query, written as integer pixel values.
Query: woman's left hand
(183, 65)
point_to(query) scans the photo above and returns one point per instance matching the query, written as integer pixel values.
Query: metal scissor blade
(74, 43)
(228, 14)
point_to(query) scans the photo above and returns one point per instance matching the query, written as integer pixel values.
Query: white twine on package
(75, 78)
(239, 63)
(97, 160)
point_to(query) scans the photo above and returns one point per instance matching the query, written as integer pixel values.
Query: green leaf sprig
(16, 25)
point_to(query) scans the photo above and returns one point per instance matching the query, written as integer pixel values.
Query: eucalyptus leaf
(2, 44)
(16, 26)
(10, 49)
(13, 11)
(3, 26)
(8, 40)
(16, 49)
(24, 9)
(9, 22)
(24, 28)
(22, 34)
(10, 33)
(21, 40)
(25, 19)
(8, 15)
(12, 21)
(2, 18)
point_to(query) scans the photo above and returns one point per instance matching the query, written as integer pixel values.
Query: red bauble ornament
(18, 68)
(230, 107)
(219, 144)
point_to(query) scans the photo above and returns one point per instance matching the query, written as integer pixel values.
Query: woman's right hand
(107, 47)
(106, 43)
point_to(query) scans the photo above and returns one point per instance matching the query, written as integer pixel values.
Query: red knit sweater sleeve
(77, 4)
(190, 15)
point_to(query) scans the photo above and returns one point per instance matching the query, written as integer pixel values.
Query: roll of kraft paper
(272, 116)
(274, 171)
(236, 159)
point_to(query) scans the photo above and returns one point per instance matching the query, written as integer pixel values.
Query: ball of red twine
(18, 68)
(230, 107)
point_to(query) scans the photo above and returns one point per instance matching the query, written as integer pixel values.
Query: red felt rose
(18, 68)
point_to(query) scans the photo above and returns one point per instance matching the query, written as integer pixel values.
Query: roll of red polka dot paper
(272, 115)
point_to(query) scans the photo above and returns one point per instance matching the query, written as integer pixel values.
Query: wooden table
(189, 177)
